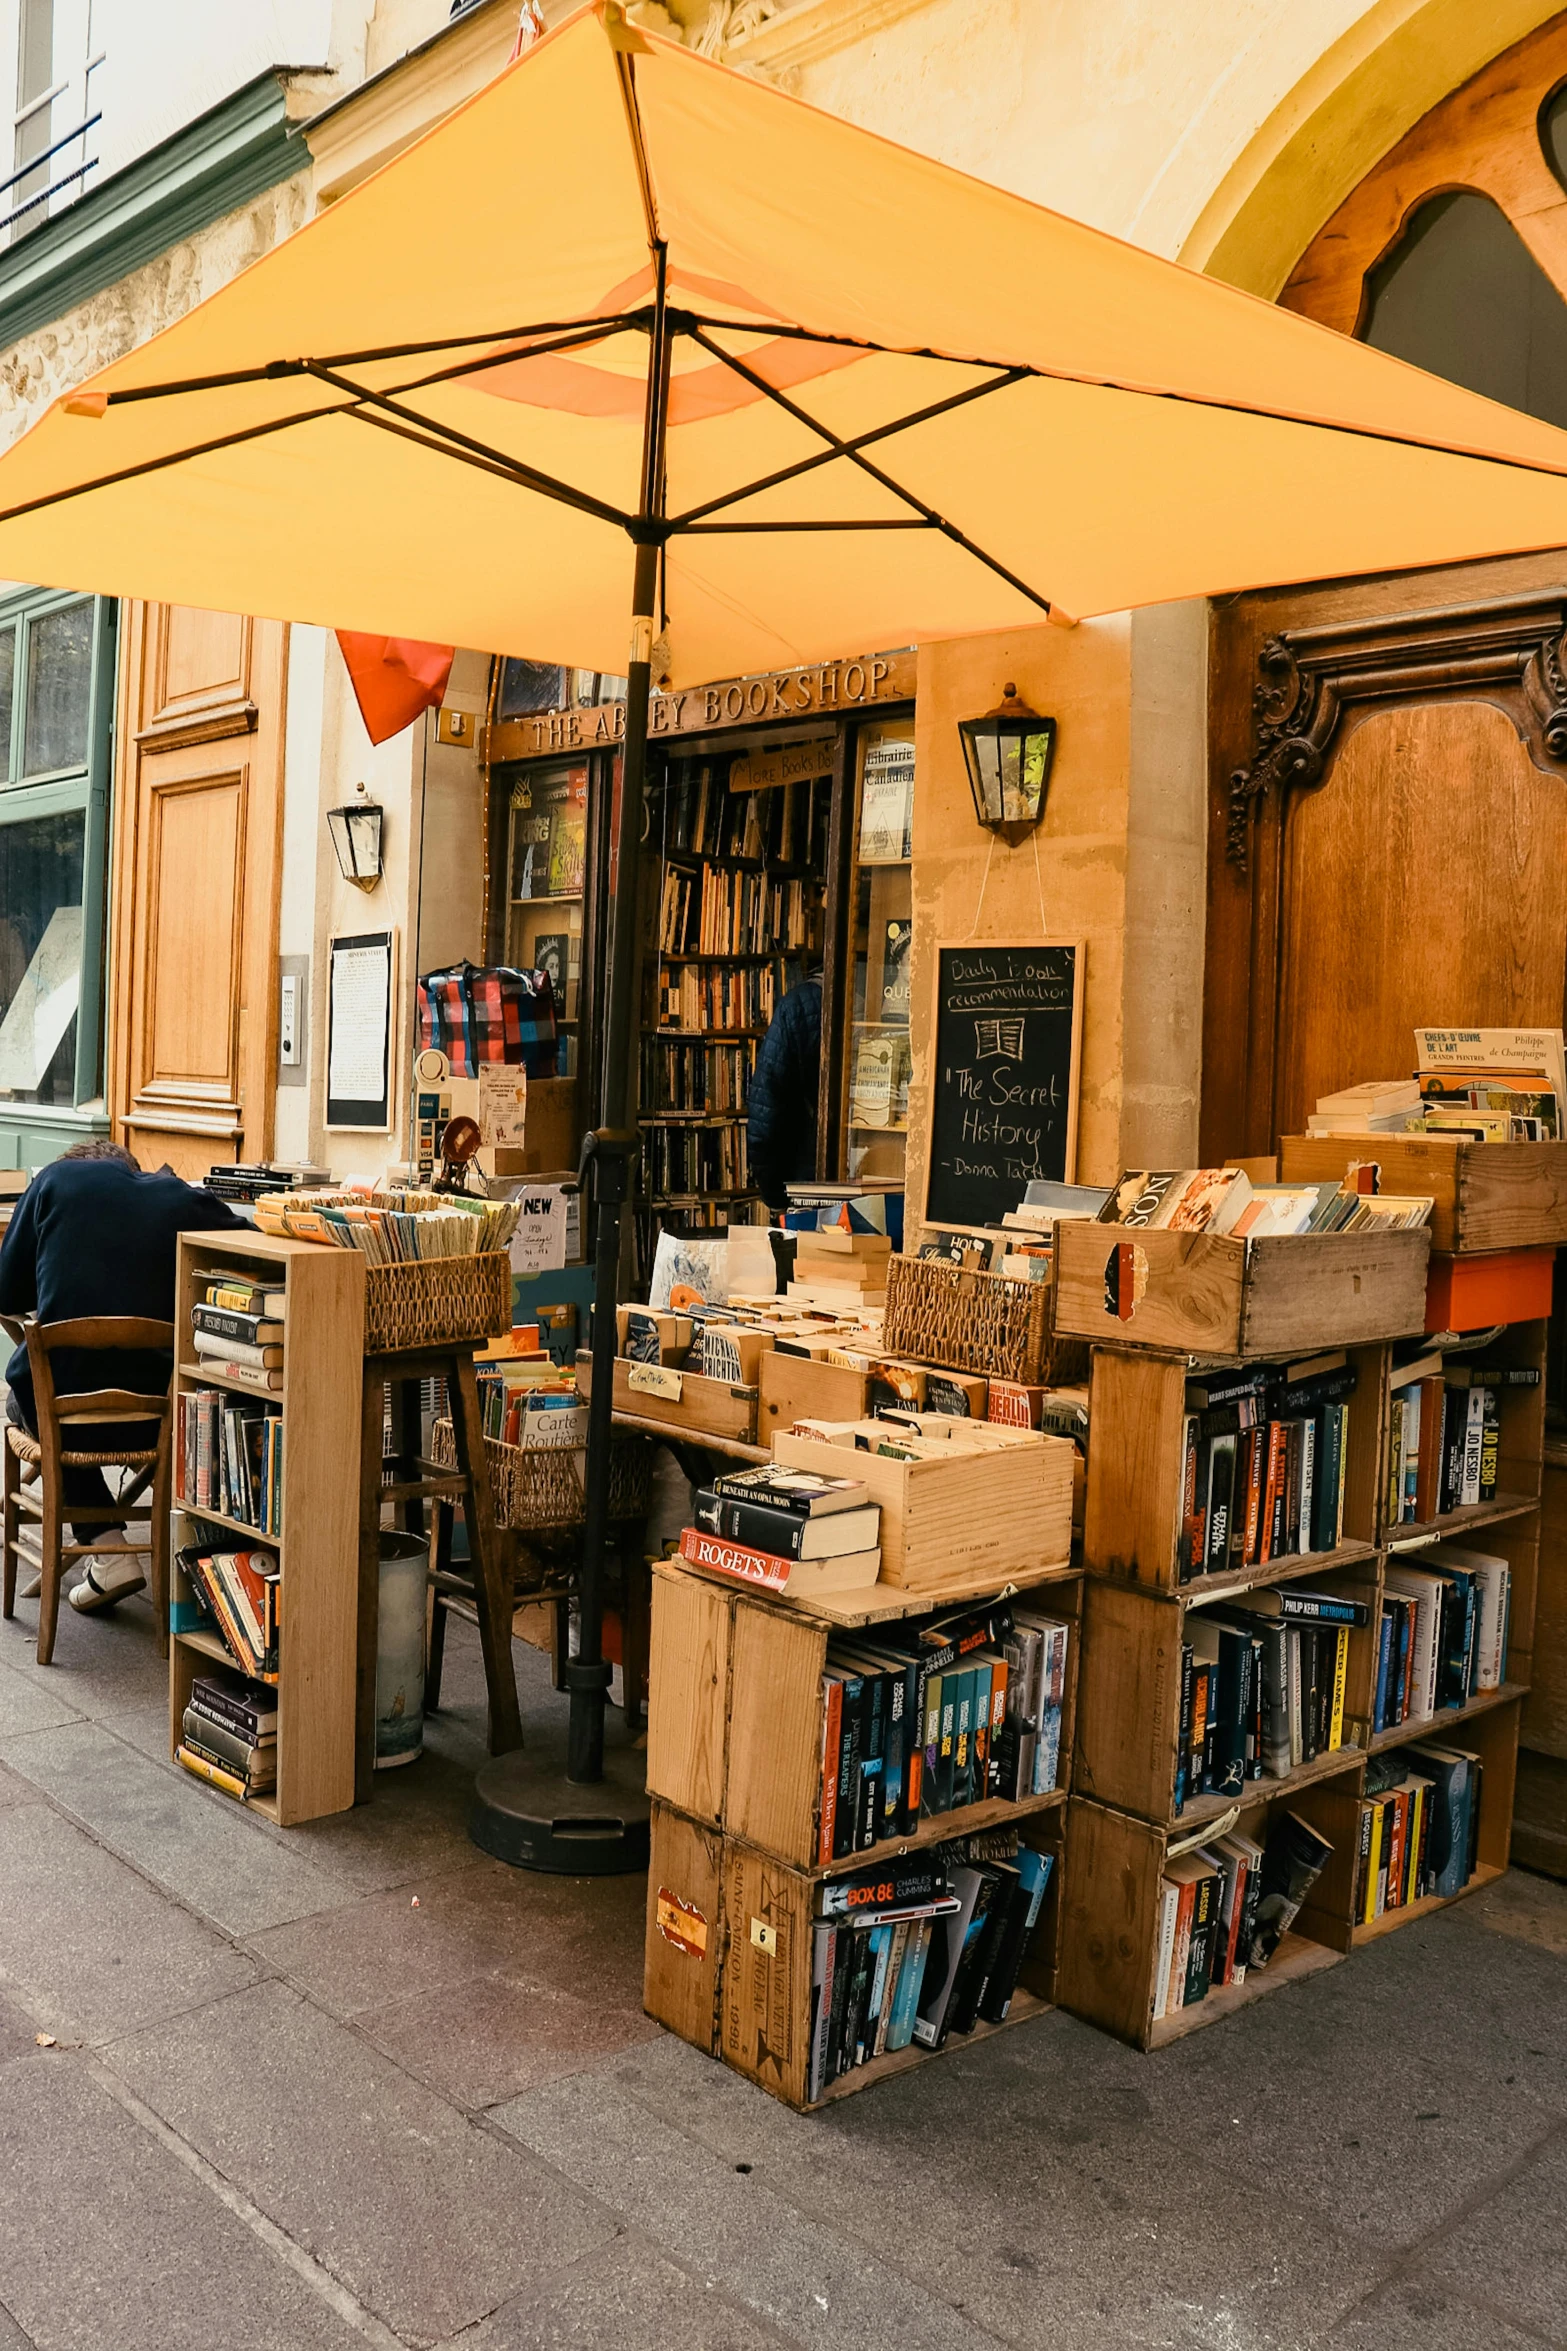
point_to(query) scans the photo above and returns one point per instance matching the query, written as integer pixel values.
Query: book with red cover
(853, 1571)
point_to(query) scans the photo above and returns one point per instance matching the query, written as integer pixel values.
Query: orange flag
(394, 678)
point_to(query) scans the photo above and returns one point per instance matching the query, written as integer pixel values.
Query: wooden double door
(197, 859)
(1388, 831)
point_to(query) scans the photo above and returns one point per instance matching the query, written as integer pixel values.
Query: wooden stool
(43, 1506)
(415, 1482)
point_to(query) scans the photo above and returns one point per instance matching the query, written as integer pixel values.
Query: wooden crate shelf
(318, 1549)
(1204, 1293)
(1121, 1824)
(735, 1728)
(1487, 1195)
(733, 1977)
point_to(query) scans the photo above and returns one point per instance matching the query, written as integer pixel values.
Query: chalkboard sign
(1003, 1076)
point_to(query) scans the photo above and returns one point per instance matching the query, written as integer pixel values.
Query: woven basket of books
(537, 1487)
(965, 1320)
(447, 1300)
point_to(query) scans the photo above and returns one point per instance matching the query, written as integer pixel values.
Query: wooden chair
(41, 1503)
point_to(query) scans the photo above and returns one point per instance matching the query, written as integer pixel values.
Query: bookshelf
(739, 917)
(318, 1549)
(735, 1746)
(1124, 1825)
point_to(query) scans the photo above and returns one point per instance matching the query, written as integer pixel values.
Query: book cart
(318, 1549)
(1161, 1309)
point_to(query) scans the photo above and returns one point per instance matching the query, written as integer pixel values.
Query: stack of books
(1226, 1905)
(1419, 1827)
(1444, 1433)
(237, 1330)
(230, 1735)
(930, 1946)
(926, 1717)
(240, 1594)
(844, 1271)
(1443, 1636)
(1266, 1452)
(787, 1531)
(1478, 1085)
(1262, 1688)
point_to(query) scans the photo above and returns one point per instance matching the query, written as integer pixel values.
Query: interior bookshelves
(735, 1743)
(1123, 1825)
(318, 1550)
(751, 863)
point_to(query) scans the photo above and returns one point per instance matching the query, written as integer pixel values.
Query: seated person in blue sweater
(93, 1235)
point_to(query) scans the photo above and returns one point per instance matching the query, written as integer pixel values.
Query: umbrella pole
(595, 1819)
(613, 1146)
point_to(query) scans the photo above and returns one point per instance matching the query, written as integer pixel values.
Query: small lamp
(1008, 754)
(356, 836)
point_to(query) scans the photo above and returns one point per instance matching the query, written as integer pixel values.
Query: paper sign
(503, 1103)
(655, 1379)
(539, 1243)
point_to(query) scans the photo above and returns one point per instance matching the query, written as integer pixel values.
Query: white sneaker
(111, 1576)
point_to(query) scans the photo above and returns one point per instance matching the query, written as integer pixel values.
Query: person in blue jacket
(783, 1099)
(93, 1235)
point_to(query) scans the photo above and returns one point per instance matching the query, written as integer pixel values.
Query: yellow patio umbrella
(628, 320)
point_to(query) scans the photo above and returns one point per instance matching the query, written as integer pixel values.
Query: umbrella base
(528, 1814)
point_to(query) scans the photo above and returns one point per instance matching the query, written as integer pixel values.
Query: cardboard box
(1470, 1293)
(554, 1140)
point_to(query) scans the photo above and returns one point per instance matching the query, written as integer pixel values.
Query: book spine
(1393, 1496)
(1273, 1494)
(855, 1705)
(1194, 1503)
(214, 1773)
(1340, 1682)
(832, 1732)
(1308, 1484)
(1490, 1443)
(1183, 1740)
(1164, 1949)
(1315, 1608)
(824, 1948)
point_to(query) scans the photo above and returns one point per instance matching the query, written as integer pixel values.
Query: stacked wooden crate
(1161, 1307)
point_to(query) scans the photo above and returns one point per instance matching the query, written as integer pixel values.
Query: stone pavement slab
(195, 1843)
(820, 2287)
(429, 2220)
(109, 2242)
(584, 1934)
(1511, 2250)
(89, 1948)
(27, 1705)
(490, 2037)
(1408, 2316)
(629, 2297)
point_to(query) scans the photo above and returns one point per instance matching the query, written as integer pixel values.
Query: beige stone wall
(53, 358)
(1076, 887)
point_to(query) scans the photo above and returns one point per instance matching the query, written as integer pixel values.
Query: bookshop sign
(827, 689)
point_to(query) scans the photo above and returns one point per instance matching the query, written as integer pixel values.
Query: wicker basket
(982, 1322)
(538, 1487)
(443, 1301)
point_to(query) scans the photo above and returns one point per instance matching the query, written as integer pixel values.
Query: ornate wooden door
(196, 877)
(1389, 839)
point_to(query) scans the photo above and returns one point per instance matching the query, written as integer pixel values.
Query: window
(1462, 295)
(56, 692)
(54, 147)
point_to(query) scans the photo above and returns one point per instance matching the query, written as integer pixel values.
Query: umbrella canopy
(902, 403)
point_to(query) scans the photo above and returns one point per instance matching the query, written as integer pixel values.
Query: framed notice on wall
(1005, 1046)
(359, 1032)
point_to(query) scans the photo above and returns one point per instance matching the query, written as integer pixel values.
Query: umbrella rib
(846, 449)
(909, 522)
(451, 443)
(1103, 383)
(131, 473)
(881, 432)
(272, 370)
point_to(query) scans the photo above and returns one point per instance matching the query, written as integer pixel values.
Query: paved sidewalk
(356, 2084)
